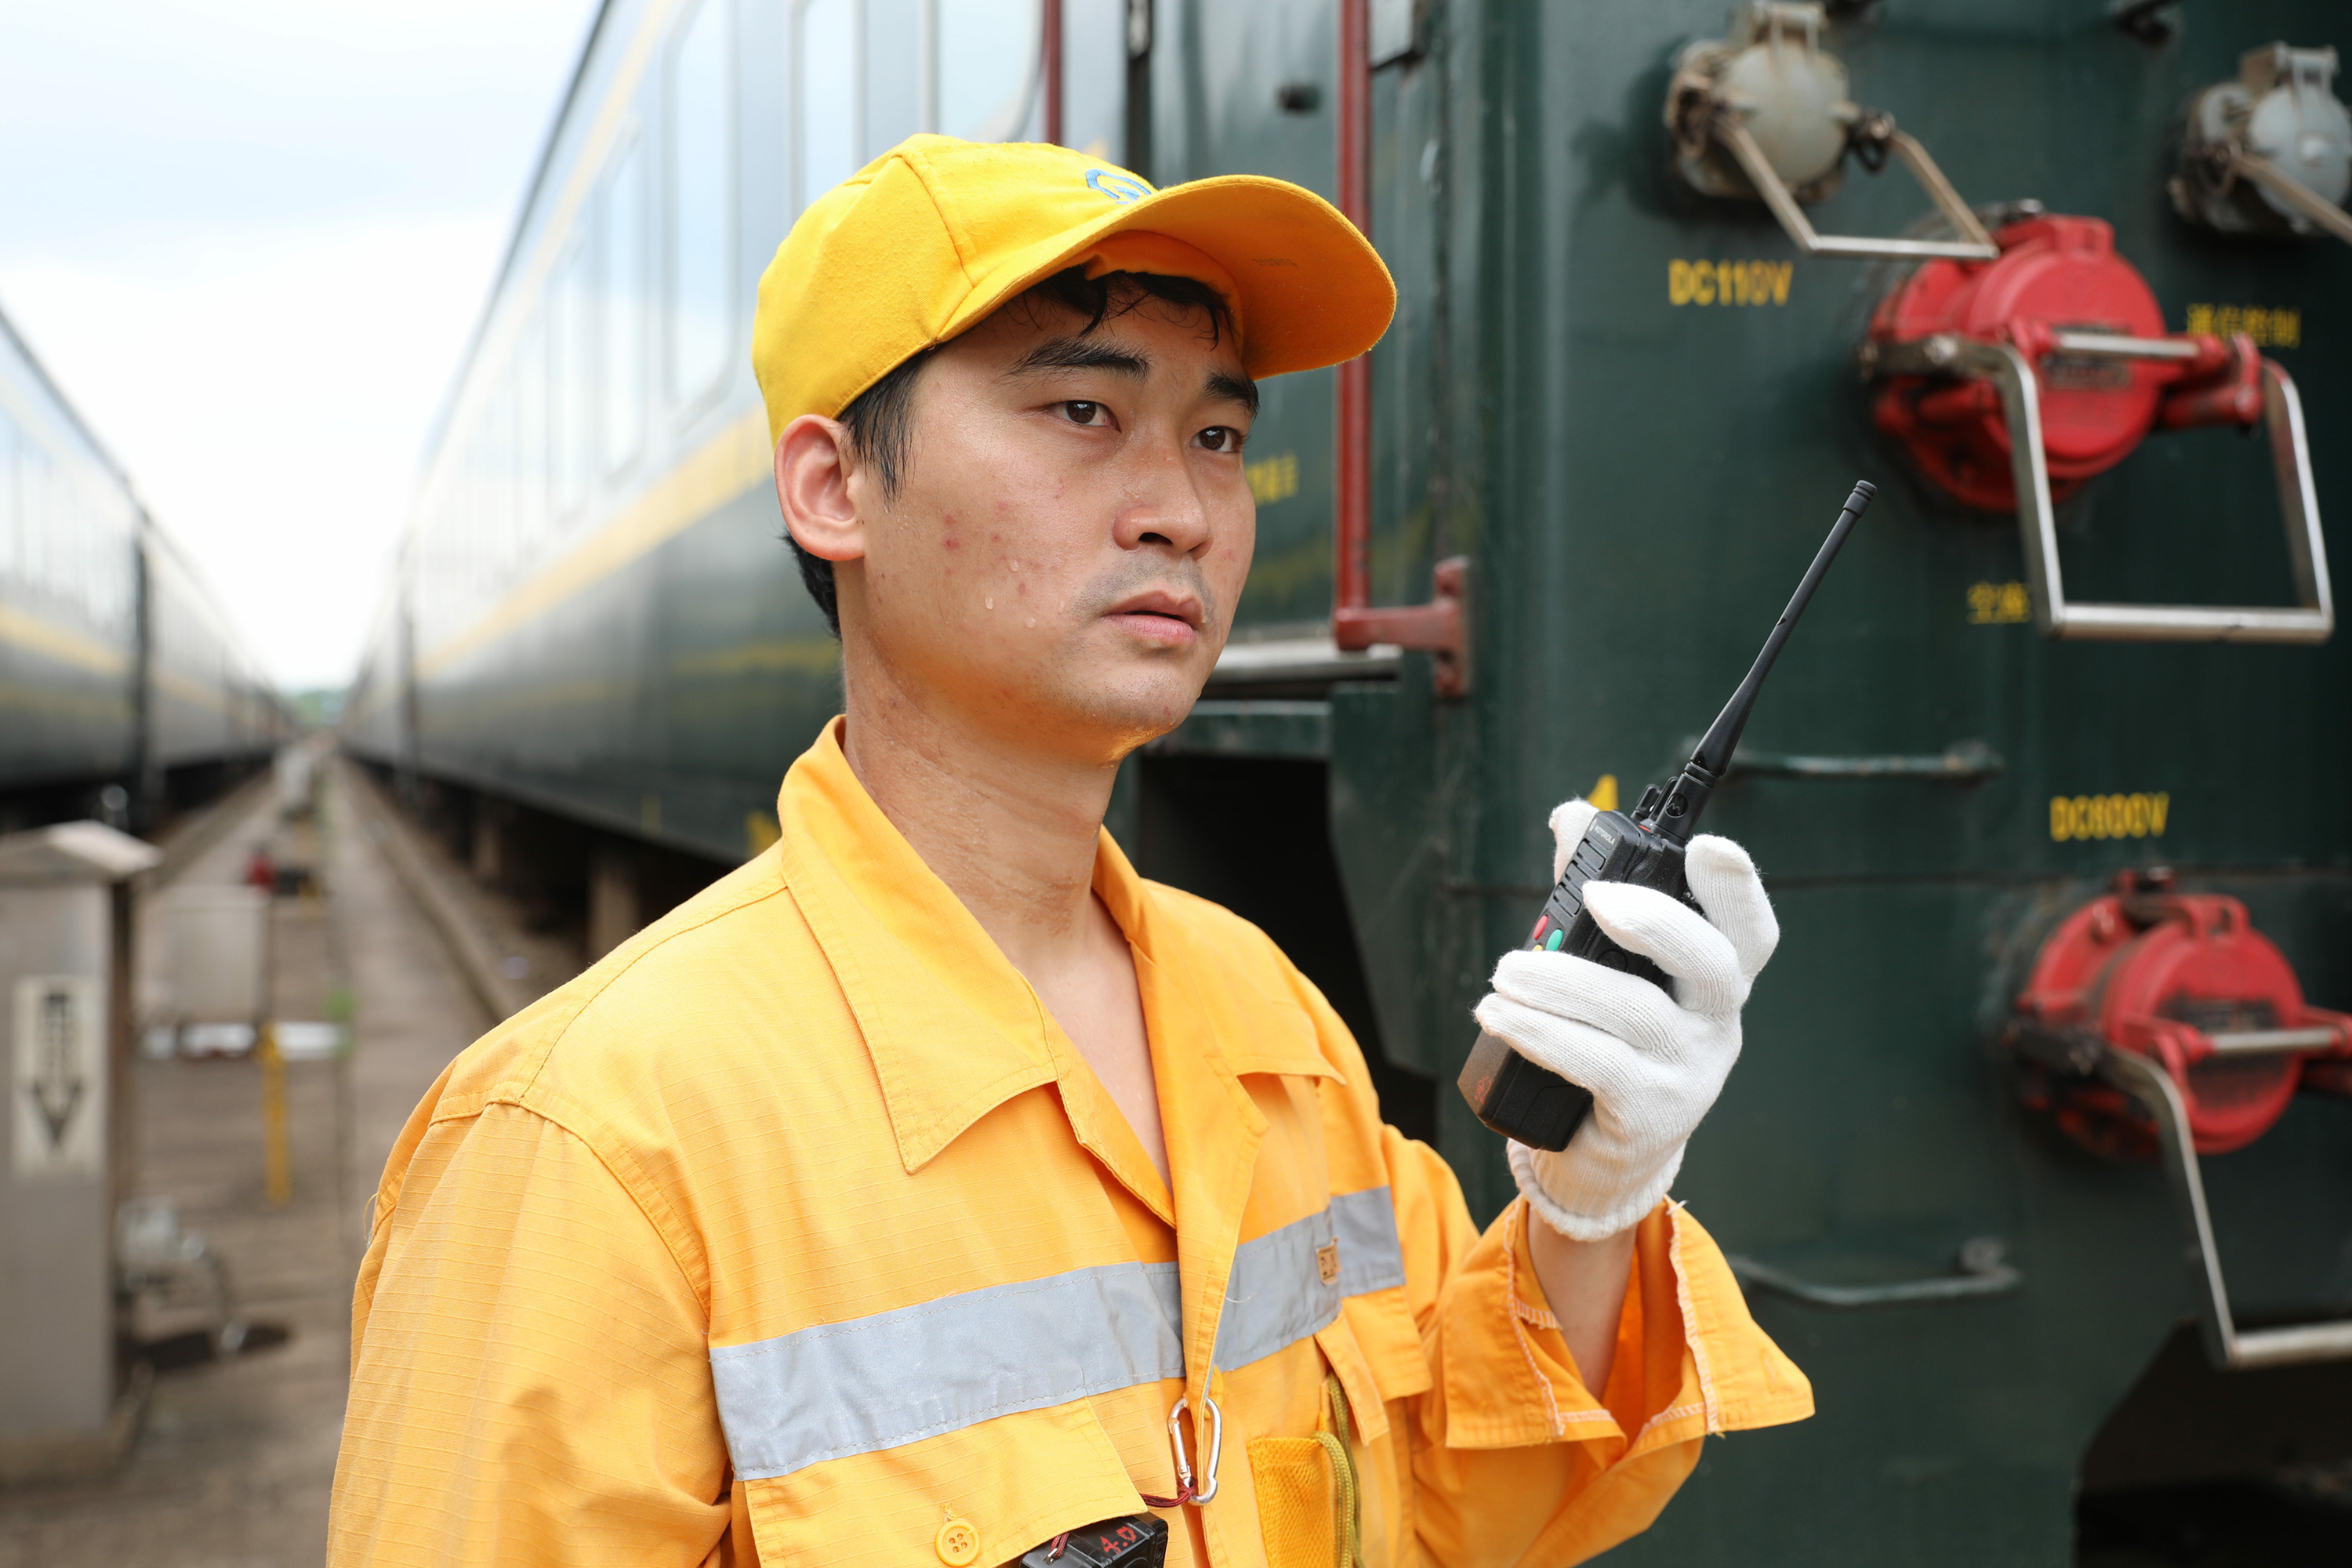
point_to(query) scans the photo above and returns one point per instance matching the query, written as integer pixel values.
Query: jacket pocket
(1011, 1483)
(1308, 1506)
(1297, 1501)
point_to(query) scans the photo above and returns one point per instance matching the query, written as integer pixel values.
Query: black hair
(879, 423)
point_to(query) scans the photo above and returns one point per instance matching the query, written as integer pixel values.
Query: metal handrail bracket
(1981, 1272)
(2293, 192)
(1963, 762)
(2313, 620)
(2229, 1346)
(1974, 244)
(2263, 1042)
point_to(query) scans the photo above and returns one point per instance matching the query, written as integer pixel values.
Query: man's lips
(1159, 616)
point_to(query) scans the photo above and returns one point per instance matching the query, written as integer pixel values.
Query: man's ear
(812, 487)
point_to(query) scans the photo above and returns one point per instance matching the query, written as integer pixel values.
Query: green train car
(2047, 788)
(124, 692)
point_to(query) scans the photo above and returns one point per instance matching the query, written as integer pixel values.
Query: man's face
(1070, 532)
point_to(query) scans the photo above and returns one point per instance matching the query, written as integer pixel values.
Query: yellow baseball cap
(935, 234)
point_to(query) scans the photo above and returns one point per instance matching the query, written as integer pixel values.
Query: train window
(828, 95)
(11, 513)
(624, 308)
(86, 532)
(893, 82)
(701, 281)
(987, 66)
(572, 374)
(501, 464)
(468, 504)
(33, 509)
(531, 433)
(466, 510)
(446, 508)
(62, 551)
(89, 536)
(70, 557)
(111, 570)
(1094, 77)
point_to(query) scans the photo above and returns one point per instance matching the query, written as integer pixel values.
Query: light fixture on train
(2185, 981)
(1762, 114)
(2270, 152)
(2014, 382)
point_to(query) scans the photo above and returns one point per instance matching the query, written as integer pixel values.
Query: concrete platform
(237, 1457)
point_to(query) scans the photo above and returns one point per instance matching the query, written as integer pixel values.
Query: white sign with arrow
(58, 1088)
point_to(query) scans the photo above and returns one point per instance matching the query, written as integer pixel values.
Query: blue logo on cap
(1118, 187)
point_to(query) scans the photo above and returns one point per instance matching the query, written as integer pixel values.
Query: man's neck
(1010, 822)
(1010, 828)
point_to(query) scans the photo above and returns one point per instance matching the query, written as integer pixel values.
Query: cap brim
(1311, 290)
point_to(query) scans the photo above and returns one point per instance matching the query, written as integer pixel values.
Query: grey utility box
(63, 988)
(215, 944)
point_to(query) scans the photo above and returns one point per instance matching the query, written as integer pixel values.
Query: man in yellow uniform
(933, 1185)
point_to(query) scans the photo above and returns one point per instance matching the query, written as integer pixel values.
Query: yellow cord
(1338, 1444)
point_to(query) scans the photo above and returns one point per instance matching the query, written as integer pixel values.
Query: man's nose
(1164, 507)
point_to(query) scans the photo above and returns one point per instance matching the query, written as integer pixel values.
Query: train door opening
(1254, 834)
(2197, 1468)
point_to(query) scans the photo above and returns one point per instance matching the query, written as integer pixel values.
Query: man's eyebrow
(1077, 353)
(1238, 389)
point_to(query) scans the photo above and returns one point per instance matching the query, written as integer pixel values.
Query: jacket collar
(953, 1029)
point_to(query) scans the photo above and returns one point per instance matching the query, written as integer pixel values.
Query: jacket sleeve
(530, 1381)
(1507, 1457)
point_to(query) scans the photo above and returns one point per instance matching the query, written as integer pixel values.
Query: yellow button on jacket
(795, 1231)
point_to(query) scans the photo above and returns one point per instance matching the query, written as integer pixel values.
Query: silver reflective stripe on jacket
(1370, 1257)
(871, 1384)
(1276, 1296)
(874, 1382)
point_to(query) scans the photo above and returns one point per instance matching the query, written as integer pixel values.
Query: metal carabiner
(1184, 1492)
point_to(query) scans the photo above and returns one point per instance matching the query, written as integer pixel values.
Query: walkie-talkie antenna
(1520, 1097)
(1677, 815)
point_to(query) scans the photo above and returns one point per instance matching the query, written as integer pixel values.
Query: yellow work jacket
(796, 1231)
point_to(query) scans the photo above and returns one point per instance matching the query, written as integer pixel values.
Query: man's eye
(1081, 412)
(1221, 438)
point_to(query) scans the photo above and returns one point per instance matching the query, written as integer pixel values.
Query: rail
(1973, 244)
(1439, 627)
(1962, 762)
(1049, 67)
(2291, 191)
(2230, 1346)
(2312, 618)
(1980, 1272)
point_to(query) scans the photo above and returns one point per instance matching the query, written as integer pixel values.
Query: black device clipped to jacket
(1139, 1541)
(1531, 1103)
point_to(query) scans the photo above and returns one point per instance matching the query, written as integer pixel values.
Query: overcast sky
(249, 239)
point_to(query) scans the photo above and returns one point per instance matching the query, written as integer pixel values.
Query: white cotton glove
(1653, 1063)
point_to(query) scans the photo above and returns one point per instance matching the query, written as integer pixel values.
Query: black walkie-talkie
(1533, 1104)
